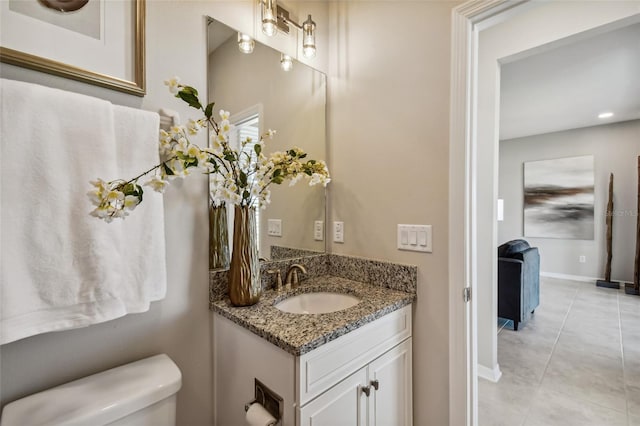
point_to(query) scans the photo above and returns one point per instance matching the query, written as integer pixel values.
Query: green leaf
(190, 97)
(277, 173)
(245, 194)
(277, 180)
(243, 179)
(208, 112)
(167, 169)
(303, 155)
(189, 89)
(129, 189)
(192, 101)
(257, 148)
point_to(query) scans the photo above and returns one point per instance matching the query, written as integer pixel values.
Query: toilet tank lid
(98, 399)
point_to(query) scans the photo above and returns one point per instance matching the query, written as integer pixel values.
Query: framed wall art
(559, 198)
(100, 42)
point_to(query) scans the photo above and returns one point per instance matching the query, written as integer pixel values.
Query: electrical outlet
(338, 232)
(582, 259)
(318, 230)
(274, 227)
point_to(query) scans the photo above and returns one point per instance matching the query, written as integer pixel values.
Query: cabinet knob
(366, 390)
(375, 384)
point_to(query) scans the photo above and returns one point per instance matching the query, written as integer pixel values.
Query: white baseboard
(569, 277)
(578, 278)
(493, 375)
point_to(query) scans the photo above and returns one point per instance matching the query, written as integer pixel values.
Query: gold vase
(218, 237)
(244, 272)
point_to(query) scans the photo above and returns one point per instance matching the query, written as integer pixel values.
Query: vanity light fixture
(276, 18)
(286, 62)
(309, 38)
(245, 43)
(605, 115)
(269, 17)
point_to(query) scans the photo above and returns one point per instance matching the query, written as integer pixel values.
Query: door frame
(468, 20)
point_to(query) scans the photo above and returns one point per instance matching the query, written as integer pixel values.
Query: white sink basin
(317, 303)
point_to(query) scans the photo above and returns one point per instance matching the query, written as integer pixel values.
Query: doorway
(473, 161)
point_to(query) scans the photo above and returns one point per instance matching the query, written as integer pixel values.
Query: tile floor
(576, 362)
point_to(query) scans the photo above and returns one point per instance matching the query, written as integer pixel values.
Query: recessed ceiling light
(605, 115)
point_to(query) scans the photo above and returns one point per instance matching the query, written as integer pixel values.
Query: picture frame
(115, 60)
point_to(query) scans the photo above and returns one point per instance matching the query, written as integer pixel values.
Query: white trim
(569, 277)
(493, 375)
(581, 278)
(257, 109)
(463, 382)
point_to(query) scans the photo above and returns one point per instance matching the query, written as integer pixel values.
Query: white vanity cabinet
(378, 394)
(327, 386)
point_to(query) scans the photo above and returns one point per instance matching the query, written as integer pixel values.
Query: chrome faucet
(291, 278)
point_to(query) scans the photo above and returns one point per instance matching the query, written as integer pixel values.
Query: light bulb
(286, 62)
(309, 38)
(269, 20)
(245, 43)
(309, 51)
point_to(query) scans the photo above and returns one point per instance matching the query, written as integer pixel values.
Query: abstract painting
(559, 198)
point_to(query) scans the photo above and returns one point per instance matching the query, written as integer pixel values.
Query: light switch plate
(318, 230)
(274, 227)
(338, 232)
(415, 238)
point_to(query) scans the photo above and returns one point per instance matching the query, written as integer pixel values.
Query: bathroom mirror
(260, 95)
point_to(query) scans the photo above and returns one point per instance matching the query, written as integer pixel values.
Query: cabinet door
(343, 405)
(391, 404)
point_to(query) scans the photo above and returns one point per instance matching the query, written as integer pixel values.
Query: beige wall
(179, 325)
(615, 148)
(388, 137)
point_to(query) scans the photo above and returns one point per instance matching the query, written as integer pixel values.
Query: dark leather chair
(518, 281)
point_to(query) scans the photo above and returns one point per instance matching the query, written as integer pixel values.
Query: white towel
(60, 267)
(143, 251)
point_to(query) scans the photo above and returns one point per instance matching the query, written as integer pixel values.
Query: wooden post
(607, 272)
(635, 287)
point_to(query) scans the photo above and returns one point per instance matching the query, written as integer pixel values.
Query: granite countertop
(301, 333)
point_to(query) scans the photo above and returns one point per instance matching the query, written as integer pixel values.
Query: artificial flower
(237, 176)
(173, 84)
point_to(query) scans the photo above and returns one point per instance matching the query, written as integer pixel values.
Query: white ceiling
(568, 86)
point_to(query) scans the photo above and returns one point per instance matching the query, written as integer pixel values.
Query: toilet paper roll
(257, 415)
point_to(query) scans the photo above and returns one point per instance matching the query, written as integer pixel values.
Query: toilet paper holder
(270, 400)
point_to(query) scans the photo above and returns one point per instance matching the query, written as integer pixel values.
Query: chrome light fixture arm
(275, 17)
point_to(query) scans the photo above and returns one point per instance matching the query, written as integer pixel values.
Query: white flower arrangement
(237, 177)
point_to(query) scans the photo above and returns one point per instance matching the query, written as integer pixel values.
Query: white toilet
(142, 393)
